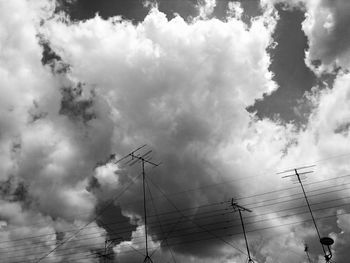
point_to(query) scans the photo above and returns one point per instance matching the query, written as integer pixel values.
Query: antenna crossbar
(142, 159)
(298, 168)
(292, 175)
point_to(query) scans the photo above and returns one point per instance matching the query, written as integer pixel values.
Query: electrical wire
(183, 210)
(159, 221)
(277, 217)
(161, 191)
(226, 227)
(226, 182)
(94, 219)
(234, 234)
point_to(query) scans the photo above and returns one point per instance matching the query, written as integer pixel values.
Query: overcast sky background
(225, 93)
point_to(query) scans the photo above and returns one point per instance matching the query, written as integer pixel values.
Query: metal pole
(144, 203)
(134, 159)
(308, 205)
(245, 236)
(241, 208)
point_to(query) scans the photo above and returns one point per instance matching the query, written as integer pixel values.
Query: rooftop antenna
(107, 257)
(240, 209)
(325, 241)
(139, 155)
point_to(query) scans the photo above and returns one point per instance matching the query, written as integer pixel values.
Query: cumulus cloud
(327, 135)
(206, 8)
(46, 157)
(108, 86)
(325, 26)
(182, 88)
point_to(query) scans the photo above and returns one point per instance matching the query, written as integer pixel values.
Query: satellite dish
(327, 241)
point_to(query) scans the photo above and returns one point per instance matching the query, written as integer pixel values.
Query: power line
(193, 208)
(277, 217)
(243, 197)
(160, 224)
(79, 230)
(96, 217)
(161, 191)
(258, 215)
(239, 198)
(226, 227)
(183, 210)
(255, 230)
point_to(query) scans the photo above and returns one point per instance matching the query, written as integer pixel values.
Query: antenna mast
(325, 241)
(240, 209)
(107, 256)
(137, 156)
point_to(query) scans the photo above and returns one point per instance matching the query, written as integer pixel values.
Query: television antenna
(143, 156)
(107, 257)
(237, 207)
(325, 241)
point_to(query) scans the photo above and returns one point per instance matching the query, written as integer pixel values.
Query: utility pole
(240, 209)
(325, 241)
(135, 157)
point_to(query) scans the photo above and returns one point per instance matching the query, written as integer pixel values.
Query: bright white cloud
(206, 8)
(181, 87)
(43, 154)
(326, 28)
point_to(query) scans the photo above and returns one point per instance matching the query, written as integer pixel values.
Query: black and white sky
(226, 94)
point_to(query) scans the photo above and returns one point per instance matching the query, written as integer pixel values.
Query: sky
(226, 94)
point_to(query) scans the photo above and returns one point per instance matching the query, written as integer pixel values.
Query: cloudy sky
(225, 93)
